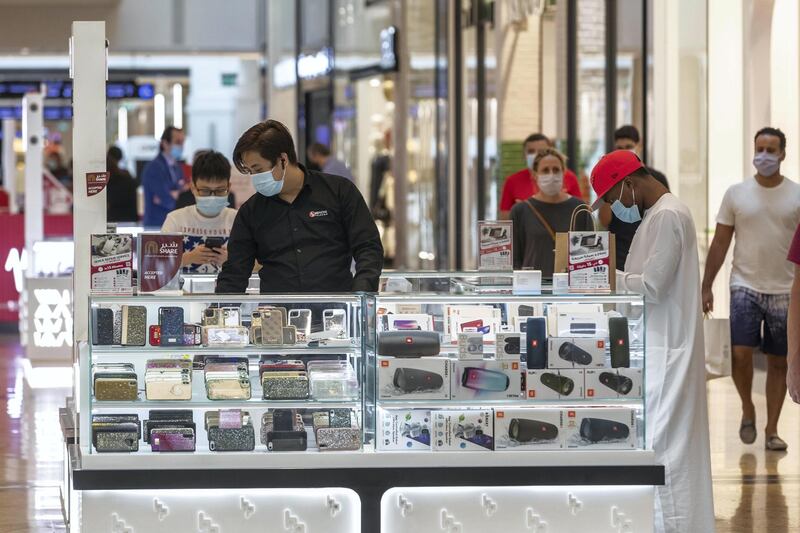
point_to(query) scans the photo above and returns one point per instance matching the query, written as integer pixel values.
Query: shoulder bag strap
(541, 218)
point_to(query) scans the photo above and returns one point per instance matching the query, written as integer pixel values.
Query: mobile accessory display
(229, 430)
(282, 430)
(115, 382)
(171, 321)
(102, 326)
(134, 325)
(116, 432)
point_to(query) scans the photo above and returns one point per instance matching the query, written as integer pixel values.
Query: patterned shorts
(750, 310)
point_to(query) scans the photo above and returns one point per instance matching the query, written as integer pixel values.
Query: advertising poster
(589, 265)
(495, 245)
(160, 262)
(111, 263)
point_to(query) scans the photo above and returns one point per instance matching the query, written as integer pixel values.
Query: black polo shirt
(308, 245)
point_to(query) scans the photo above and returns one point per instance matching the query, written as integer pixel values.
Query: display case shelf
(160, 351)
(251, 404)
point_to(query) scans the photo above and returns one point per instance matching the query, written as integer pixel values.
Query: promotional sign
(111, 264)
(495, 245)
(96, 182)
(160, 262)
(589, 264)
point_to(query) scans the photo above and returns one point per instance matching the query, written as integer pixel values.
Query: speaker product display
(409, 343)
(620, 344)
(536, 342)
(620, 384)
(561, 384)
(569, 351)
(415, 380)
(525, 430)
(484, 380)
(600, 429)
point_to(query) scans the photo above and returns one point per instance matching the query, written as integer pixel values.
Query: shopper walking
(540, 217)
(206, 225)
(305, 228)
(121, 190)
(320, 155)
(162, 178)
(763, 212)
(626, 138)
(663, 266)
(522, 184)
(793, 327)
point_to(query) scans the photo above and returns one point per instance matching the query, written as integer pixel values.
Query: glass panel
(591, 88)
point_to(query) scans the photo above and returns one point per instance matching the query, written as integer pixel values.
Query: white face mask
(550, 184)
(529, 159)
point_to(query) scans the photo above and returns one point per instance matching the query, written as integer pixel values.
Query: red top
(794, 251)
(520, 186)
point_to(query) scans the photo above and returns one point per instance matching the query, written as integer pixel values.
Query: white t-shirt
(764, 221)
(195, 228)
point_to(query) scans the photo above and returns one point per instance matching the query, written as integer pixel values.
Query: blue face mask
(176, 152)
(211, 206)
(266, 184)
(630, 214)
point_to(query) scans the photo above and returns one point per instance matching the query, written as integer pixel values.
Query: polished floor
(754, 490)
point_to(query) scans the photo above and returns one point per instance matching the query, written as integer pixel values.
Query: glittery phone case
(134, 325)
(335, 430)
(168, 379)
(116, 433)
(227, 379)
(171, 321)
(102, 326)
(172, 439)
(230, 430)
(284, 385)
(116, 387)
(167, 418)
(117, 326)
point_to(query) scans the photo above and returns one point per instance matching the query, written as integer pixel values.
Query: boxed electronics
(528, 429)
(404, 429)
(470, 346)
(407, 322)
(576, 352)
(508, 346)
(463, 430)
(486, 380)
(473, 318)
(424, 378)
(614, 383)
(606, 428)
(562, 384)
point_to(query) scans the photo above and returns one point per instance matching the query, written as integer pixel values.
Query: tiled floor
(754, 490)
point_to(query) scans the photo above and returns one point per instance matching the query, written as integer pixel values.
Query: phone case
(172, 439)
(289, 334)
(117, 327)
(134, 325)
(283, 430)
(171, 321)
(116, 388)
(155, 335)
(230, 430)
(271, 328)
(212, 316)
(167, 418)
(102, 326)
(116, 433)
(301, 320)
(288, 385)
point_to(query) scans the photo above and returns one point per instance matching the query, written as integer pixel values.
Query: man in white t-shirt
(764, 212)
(206, 225)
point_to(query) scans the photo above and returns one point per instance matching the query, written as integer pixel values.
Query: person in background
(209, 219)
(320, 156)
(303, 227)
(763, 211)
(663, 267)
(522, 185)
(626, 138)
(162, 178)
(121, 189)
(186, 198)
(54, 162)
(793, 325)
(540, 217)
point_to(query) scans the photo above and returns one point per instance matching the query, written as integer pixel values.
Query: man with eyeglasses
(206, 225)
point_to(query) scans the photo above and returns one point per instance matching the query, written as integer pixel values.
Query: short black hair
(535, 137)
(772, 131)
(270, 139)
(627, 131)
(211, 165)
(114, 153)
(168, 134)
(319, 149)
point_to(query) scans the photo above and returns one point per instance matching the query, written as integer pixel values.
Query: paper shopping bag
(589, 257)
(718, 347)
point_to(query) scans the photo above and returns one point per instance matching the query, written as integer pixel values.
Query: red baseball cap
(611, 169)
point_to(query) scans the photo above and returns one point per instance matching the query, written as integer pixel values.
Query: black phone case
(102, 327)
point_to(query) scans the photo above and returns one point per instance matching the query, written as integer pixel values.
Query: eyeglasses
(212, 192)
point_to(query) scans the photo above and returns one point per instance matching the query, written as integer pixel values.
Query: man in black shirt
(121, 195)
(304, 227)
(626, 138)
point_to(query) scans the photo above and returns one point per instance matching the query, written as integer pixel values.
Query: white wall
(785, 87)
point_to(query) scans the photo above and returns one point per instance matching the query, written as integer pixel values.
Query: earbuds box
(400, 429)
(486, 380)
(528, 429)
(600, 428)
(576, 352)
(508, 346)
(463, 430)
(614, 383)
(421, 378)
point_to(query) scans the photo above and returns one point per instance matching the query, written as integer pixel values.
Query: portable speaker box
(528, 429)
(509, 346)
(600, 428)
(486, 380)
(463, 430)
(404, 430)
(576, 352)
(614, 383)
(426, 378)
(555, 384)
(409, 344)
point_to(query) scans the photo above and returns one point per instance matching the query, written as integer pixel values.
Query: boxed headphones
(463, 430)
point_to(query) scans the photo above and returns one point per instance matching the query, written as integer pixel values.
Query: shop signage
(111, 267)
(495, 245)
(96, 182)
(589, 260)
(160, 262)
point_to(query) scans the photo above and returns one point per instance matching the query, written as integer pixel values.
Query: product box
(562, 384)
(160, 262)
(470, 346)
(111, 264)
(528, 429)
(463, 430)
(600, 428)
(407, 322)
(404, 430)
(614, 383)
(424, 378)
(509, 346)
(582, 325)
(576, 352)
(486, 380)
(472, 318)
(495, 247)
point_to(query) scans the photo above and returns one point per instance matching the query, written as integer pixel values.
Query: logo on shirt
(315, 214)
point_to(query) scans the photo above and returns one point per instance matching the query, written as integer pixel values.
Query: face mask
(766, 163)
(211, 206)
(266, 184)
(550, 184)
(529, 159)
(176, 152)
(630, 214)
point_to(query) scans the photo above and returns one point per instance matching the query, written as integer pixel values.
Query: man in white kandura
(663, 266)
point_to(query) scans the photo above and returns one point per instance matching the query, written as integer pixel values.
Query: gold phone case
(115, 389)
